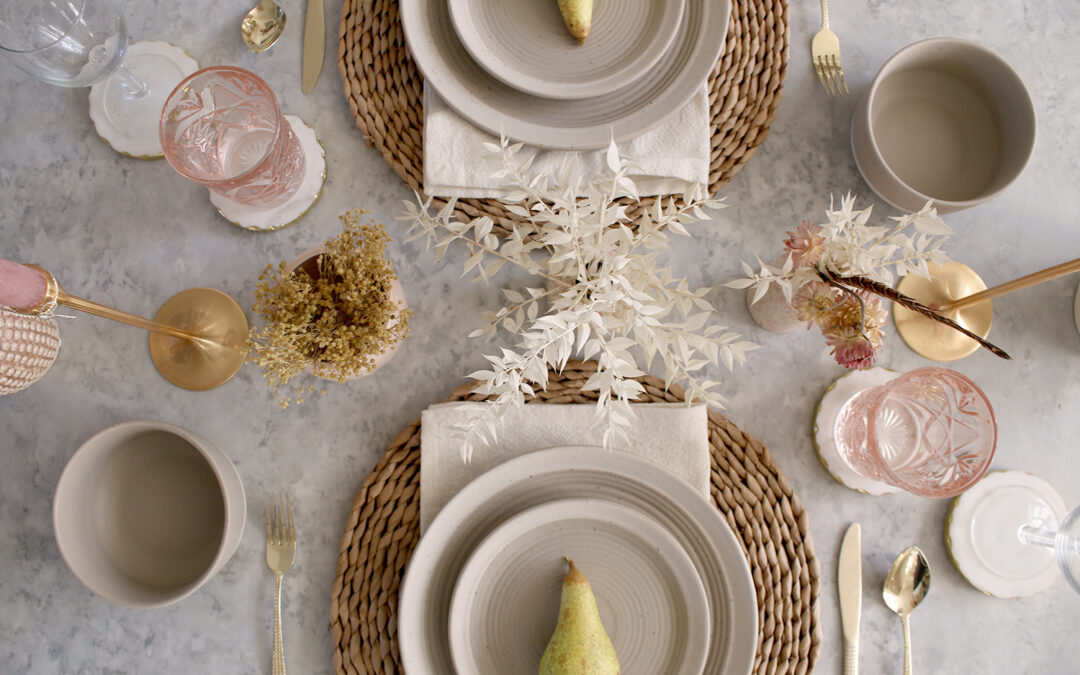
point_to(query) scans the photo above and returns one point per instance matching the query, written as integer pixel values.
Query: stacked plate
(511, 66)
(481, 594)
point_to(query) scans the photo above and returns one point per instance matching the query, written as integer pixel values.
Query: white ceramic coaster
(832, 402)
(278, 217)
(982, 534)
(130, 126)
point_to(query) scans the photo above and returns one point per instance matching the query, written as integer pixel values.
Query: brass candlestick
(962, 296)
(198, 339)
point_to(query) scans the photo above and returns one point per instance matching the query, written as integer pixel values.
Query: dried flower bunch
(834, 273)
(333, 315)
(606, 297)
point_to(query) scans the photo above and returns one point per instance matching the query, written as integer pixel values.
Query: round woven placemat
(385, 91)
(749, 490)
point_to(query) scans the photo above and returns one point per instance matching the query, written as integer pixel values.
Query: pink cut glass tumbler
(222, 128)
(930, 432)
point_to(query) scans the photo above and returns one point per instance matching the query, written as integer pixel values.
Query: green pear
(579, 645)
(578, 17)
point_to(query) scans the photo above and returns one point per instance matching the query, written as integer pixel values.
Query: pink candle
(21, 287)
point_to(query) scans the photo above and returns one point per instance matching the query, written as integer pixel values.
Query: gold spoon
(905, 587)
(262, 26)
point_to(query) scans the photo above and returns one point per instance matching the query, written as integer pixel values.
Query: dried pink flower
(806, 243)
(854, 330)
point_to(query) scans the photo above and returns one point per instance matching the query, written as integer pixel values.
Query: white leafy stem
(602, 294)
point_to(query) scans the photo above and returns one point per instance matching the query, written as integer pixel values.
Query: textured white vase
(28, 347)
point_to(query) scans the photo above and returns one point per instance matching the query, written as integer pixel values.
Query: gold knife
(849, 577)
(314, 44)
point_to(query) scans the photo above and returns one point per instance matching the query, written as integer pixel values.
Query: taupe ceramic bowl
(944, 120)
(146, 512)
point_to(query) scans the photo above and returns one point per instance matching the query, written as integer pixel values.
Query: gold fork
(826, 53)
(280, 551)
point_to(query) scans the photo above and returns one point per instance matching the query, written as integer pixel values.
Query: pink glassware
(222, 128)
(930, 431)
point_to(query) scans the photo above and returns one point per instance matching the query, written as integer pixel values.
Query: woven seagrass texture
(383, 528)
(385, 91)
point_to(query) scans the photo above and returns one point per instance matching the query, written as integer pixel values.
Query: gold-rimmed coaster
(293, 210)
(134, 132)
(982, 534)
(832, 402)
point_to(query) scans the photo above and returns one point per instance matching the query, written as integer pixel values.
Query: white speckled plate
(526, 45)
(581, 124)
(651, 600)
(576, 473)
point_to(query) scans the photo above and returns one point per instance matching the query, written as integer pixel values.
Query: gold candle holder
(958, 294)
(946, 284)
(198, 339)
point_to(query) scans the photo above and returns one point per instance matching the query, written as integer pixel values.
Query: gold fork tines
(280, 551)
(825, 50)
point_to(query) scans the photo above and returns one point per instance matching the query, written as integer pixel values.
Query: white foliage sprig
(602, 295)
(852, 247)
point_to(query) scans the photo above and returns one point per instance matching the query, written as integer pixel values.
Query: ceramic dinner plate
(577, 473)
(525, 43)
(580, 124)
(651, 600)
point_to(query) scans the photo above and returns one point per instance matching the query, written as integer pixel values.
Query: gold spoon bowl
(262, 26)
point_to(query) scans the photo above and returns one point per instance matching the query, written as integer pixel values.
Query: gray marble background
(131, 233)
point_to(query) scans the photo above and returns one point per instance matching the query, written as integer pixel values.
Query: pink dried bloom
(854, 355)
(806, 243)
(854, 330)
(815, 302)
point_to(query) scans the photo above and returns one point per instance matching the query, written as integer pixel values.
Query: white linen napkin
(672, 435)
(672, 156)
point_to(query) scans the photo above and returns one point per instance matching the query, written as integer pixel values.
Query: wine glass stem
(131, 85)
(1039, 536)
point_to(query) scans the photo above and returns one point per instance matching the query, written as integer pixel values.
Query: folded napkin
(672, 156)
(672, 435)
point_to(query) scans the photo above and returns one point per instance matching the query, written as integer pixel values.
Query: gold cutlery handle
(824, 13)
(851, 658)
(907, 645)
(279, 648)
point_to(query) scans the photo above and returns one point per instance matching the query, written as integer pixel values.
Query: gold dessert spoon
(905, 587)
(262, 26)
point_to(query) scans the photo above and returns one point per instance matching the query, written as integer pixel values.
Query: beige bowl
(146, 512)
(944, 120)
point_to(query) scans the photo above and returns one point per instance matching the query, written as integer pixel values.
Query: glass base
(130, 123)
(834, 401)
(298, 204)
(984, 538)
(996, 524)
(1067, 547)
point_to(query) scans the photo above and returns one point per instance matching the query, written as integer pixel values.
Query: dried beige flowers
(332, 315)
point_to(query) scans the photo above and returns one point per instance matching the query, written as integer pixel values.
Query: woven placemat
(385, 91)
(749, 490)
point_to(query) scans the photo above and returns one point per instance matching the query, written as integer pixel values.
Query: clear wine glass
(78, 43)
(930, 431)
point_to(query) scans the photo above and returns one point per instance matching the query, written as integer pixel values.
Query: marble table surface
(130, 233)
